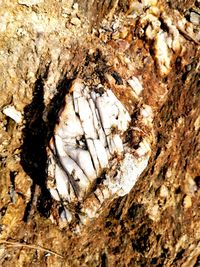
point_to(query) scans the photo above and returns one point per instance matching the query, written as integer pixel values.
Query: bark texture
(44, 46)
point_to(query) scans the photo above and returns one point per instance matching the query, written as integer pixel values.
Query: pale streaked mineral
(89, 158)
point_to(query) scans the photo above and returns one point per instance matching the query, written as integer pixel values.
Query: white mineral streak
(83, 159)
(92, 150)
(173, 39)
(144, 148)
(147, 115)
(61, 183)
(89, 141)
(68, 215)
(166, 42)
(130, 170)
(101, 154)
(30, 2)
(65, 217)
(162, 52)
(121, 184)
(11, 112)
(149, 2)
(54, 193)
(136, 86)
(195, 18)
(69, 125)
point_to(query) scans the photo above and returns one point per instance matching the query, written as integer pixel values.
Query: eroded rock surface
(91, 156)
(144, 55)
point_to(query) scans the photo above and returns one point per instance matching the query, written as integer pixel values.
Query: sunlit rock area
(99, 133)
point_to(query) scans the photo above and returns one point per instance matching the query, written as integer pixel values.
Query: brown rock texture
(44, 46)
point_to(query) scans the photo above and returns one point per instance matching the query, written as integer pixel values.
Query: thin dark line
(70, 178)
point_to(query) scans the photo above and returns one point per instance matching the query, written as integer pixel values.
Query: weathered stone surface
(45, 45)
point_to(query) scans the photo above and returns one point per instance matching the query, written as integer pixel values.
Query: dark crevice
(12, 179)
(142, 242)
(117, 78)
(197, 181)
(179, 255)
(135, 210)
(163, 25)
(117, 208)
(96, 183)
(104, 260)
(33, 155)
(197, 263)
(36, 136)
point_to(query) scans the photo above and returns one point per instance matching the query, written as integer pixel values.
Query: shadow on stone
(36, 135)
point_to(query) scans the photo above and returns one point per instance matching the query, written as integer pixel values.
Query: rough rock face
(135, 66)
(91, 157)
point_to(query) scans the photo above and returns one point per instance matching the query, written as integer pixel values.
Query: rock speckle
(195, 18)
(29, 3)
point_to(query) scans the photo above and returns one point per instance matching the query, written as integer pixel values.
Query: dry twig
(37, 247)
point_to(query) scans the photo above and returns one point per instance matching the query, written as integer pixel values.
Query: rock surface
(148, 48)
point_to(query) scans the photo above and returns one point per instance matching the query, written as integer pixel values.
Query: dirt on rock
(45, 45)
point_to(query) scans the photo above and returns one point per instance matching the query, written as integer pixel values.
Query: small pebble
(75, 21)
(75, 6)
(11, 112)
(29, 2)
(195, 18)
(154, 213)
(187, 202)
(164, 191)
